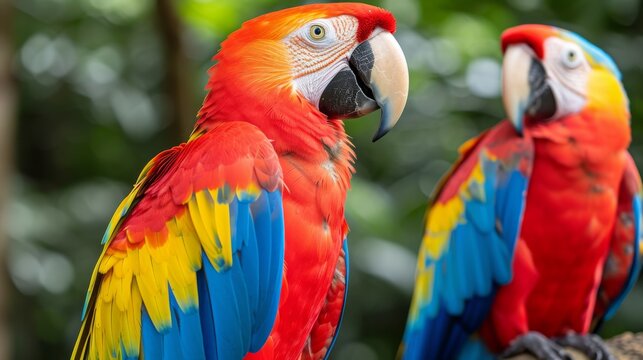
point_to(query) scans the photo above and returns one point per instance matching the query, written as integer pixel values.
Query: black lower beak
(375, 77)
(348, 95)
(542, 102)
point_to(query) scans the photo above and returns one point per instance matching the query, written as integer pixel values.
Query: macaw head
(335, 60)
(549, 73)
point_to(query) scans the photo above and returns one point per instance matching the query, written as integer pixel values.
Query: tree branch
(182, 115)
(627, 346)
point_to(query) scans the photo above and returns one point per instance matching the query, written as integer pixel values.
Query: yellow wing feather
(441, 219)
(142, 275)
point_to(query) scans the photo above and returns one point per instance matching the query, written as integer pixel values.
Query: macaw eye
(572, 58)
(317, 32)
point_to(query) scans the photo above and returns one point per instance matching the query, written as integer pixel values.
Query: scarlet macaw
(535, 231)
(193, 257)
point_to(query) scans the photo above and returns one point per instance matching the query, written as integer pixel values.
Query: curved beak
(526, 93)
(377, 77)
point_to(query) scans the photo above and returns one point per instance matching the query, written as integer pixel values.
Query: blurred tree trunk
(7, 108)
(182, 115)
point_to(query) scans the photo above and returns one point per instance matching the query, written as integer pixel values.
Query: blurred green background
(101, 86)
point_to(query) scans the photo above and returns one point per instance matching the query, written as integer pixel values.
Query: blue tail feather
(474, 349)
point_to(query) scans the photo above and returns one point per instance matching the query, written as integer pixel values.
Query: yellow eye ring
(317, 32)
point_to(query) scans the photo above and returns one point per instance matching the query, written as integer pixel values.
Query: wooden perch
(627, 346)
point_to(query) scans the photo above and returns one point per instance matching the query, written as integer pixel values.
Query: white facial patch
(318, 51)
(568, 73)
(312, 85)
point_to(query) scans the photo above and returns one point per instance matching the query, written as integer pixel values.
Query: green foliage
(94, 108)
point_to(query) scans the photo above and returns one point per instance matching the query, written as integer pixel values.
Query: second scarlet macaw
(534, 234)
(233, 244)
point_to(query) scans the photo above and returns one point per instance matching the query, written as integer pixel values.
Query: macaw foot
(538, 345)
(590, 345)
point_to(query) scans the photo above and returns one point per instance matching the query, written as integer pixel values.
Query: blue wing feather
(190, 334)
(207, 318)
(273, 262)
(172, 340)
(231, 320)
(152, 339)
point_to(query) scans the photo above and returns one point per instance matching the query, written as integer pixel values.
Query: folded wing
(193, 257)
(470, 234)
(623, 262)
